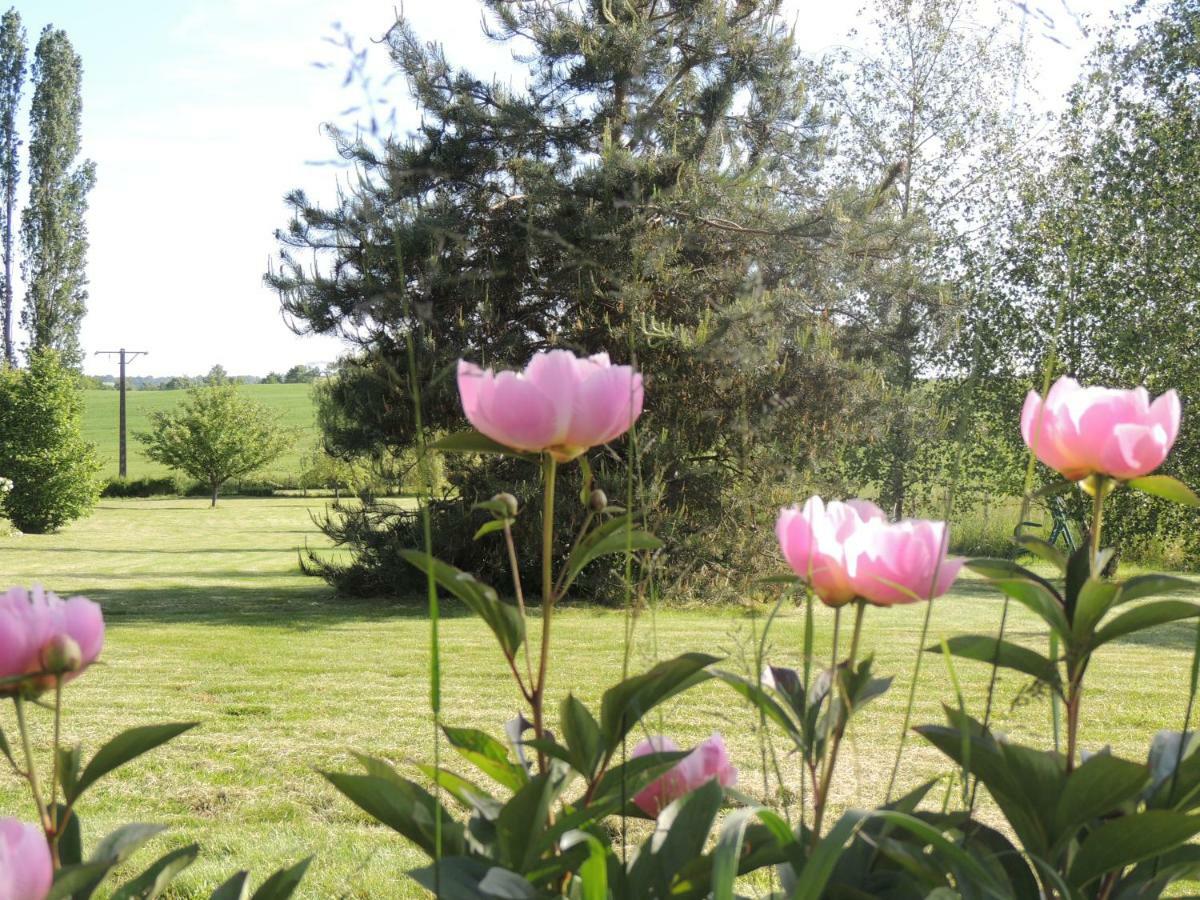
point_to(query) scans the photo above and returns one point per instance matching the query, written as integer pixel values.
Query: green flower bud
(61, 655)
(598, 501)
(509, 501)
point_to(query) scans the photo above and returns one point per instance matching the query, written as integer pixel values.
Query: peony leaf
(473, 442)
(1166, 487)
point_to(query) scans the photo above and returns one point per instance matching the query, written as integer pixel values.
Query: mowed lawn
(210, 620)
(101, 414)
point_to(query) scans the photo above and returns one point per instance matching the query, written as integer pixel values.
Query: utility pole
(126, 355)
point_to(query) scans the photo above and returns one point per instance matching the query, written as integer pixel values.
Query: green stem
(1100, 483)
(30, 768)
(912, 698)
(54, 823)
(821, 796)
(550, 470)
(516, 575)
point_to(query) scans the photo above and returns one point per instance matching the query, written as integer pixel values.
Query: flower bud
(598, 501)
(509, 501)
(61, 654)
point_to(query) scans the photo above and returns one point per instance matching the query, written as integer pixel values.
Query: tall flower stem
(912, 699)
(516, 574)
(55, 824)
(30, 768)
(821, 795)
(1077, 667)
(550, 471)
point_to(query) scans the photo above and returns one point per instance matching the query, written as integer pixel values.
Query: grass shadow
(300, 608)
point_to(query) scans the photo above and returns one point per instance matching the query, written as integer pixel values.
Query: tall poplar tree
(53, 225)
(12, 80)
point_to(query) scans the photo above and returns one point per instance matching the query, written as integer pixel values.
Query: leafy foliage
(216, 434)
(53, 225)
(53, 471)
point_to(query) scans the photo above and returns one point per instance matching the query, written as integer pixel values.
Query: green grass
(101, 415)
(209, 620)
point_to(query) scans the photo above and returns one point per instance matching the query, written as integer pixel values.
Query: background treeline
(297, 374)
(840, 275)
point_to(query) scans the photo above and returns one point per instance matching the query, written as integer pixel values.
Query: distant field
(100, 416)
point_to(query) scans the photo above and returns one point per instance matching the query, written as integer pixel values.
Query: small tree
(216, 434)
(52, 469)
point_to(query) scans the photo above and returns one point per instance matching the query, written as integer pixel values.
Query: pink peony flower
(1100, 431)
(708, 761)
(813, 540)
(560, 403)
(32, 623)
(900, 562)
(25, 868)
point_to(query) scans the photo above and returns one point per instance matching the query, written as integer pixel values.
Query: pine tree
(12, 80)
(53, 225)
(651, 193)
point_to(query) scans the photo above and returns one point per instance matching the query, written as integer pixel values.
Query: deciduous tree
(216, 434)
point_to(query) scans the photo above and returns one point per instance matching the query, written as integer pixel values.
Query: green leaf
(126, 746)
(679, 837)
(1002, 653)
(523, 818)
(1096, 788)
(624, 704)
(628, 779)
(468, 878)
(466, 792)
(491, 526)
(117, 846)
(728, 853)
(473, 442)
(78, 880)
(593, 873)
(236, 888)
(70, 840)
(497, 507)
(504, 620)
(283, 883)
(151, 883)
(617, 535)
(406, 808)
(759, 698)
(813, 878)
(1151, 585)
(1006, 570)
(1145, 616)
(1095, 599)
(1045, 603)
(1127, 840)
(1166, 487)
(68, 768)
(582, 734)
(488, 755)
(1042, 549)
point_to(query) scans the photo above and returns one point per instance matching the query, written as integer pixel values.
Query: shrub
(140, 487)
(53, 470)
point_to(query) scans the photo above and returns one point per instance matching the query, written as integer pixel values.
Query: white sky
(202, 114)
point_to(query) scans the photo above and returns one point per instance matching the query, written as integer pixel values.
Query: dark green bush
(140, 487)
(53, 470)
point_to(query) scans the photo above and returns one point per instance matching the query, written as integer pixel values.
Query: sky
(202, 114)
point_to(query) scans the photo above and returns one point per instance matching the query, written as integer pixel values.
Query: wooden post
(124, 355)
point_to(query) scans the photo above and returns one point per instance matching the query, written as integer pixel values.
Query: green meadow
(101, 416)
(209, 620)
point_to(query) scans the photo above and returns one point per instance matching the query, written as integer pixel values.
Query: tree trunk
(216, 487)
